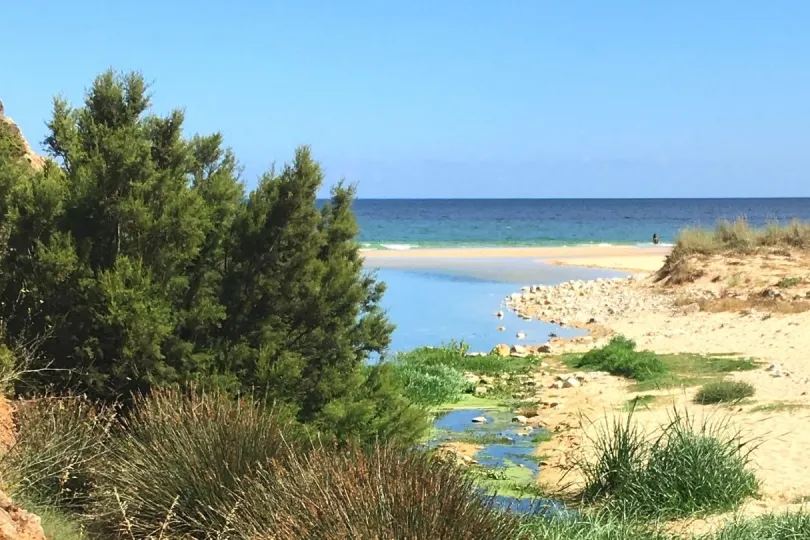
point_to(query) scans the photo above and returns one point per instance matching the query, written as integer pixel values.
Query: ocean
(435, 302)
(426, 223)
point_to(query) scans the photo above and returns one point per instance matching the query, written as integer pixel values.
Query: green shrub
(60, 444)
(180, 459)
(430, 384)
(454, 356)
(620, 357)
(688, 468)
(723, 392)
(786, 283)
(380, 492)
(378, 412)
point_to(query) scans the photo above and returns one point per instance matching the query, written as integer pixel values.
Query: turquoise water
(405, 224)
(457, 300)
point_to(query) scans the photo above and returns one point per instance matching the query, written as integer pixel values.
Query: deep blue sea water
(399, 224)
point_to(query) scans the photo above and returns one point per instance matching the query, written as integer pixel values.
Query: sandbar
(626, 258)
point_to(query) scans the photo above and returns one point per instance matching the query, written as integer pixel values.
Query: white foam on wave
(398, 247)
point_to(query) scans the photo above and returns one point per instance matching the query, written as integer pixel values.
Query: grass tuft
(180, 460)
(60, 443)
(788, 526)
(380, 492)
(689, 468)
(723, 392)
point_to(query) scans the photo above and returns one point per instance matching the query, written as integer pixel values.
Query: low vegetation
(787, 283)
(620, 357)
(730, 237)
(689, 468)
(772, 305)
(652, 371)
(723, 392)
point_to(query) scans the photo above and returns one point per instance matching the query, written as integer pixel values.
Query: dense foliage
(135, 260)
(620, 357)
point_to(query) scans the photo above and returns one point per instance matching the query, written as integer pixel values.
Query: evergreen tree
(137, 260)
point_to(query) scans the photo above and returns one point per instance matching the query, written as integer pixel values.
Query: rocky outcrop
(17, 143)
(16, 523)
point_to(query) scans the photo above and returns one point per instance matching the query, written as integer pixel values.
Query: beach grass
(723, 392)
(730, 237)
(691, 468)
(786, 526)
(591, 526)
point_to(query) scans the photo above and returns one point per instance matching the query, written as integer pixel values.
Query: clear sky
(454, 98)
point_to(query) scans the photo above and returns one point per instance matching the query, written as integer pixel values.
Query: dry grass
(736, 304)
(730, 237)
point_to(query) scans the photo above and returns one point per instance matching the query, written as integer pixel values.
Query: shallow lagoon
(434, 302)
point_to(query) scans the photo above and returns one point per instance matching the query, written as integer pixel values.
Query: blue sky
(451, 98)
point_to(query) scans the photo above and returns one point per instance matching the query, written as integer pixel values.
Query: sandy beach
(692, 319)
(624, 258)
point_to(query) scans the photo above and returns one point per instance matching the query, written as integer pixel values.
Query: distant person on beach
(655, 238)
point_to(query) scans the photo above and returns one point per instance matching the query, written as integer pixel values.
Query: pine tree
(138, 261)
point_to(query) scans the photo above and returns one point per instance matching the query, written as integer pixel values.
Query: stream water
(506, 447)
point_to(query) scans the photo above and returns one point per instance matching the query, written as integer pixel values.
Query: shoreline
(621, 258)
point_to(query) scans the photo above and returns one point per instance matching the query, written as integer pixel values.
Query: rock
(774, 367)
(520, 335)
(571, 382)
(480, 390)
(501, 328)
(519, 349)
(474, 354)
(479, 420)
(520, 419)
(526, 289)
(557, 384)
(551, 404)
(552, 335)
(16, 523)
(543, 348)
(499, 314)
(690, 308)
(592, 320)
(472, 378)
(487, 379)
(502, 350)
